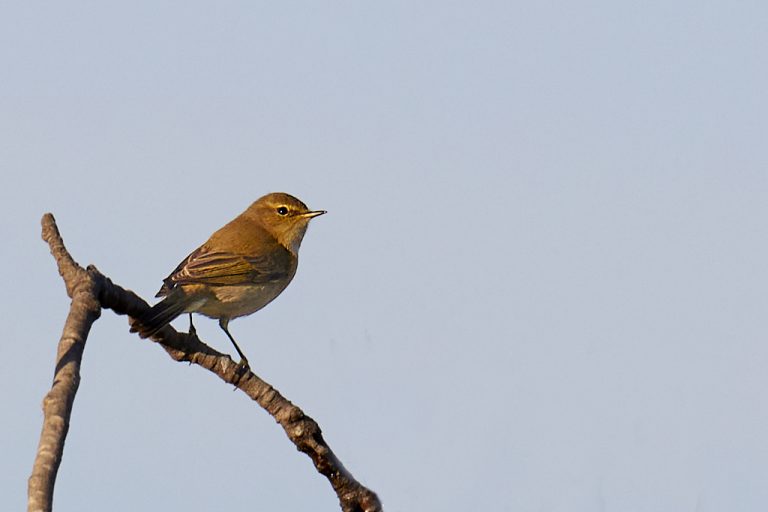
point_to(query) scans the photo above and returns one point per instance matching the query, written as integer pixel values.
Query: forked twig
(91, 292)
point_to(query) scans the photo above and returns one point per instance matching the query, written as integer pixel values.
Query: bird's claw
(241, 369)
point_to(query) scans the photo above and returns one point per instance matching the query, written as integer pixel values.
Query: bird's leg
(243, 364)
(192, 330)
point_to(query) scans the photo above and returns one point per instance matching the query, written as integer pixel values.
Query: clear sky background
(541, 284)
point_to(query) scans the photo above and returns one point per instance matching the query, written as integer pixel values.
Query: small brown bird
(239, 270)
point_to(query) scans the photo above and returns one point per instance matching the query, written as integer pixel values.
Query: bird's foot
(242, 368)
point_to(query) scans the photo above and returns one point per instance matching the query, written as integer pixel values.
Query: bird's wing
(225, 268)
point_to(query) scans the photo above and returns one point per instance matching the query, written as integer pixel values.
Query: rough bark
(91, 292)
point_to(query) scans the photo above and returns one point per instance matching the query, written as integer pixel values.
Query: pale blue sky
(541, 284)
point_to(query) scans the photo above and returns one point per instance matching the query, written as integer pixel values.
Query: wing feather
(223, 268)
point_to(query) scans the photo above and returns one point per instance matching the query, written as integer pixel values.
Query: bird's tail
(160, 315)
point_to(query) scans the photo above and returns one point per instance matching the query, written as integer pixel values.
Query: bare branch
(57, 405)
(90, 291)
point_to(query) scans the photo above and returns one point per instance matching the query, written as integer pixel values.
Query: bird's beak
(315, 213)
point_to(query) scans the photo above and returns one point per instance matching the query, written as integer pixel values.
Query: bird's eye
(282, 210)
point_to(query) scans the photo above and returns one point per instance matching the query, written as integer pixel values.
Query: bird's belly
(235, 301)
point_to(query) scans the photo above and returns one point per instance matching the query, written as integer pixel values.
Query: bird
(242, 267)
